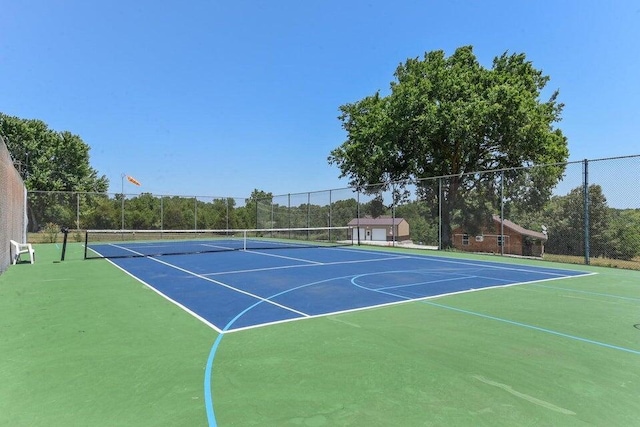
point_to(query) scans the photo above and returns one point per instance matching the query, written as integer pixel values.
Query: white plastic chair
(18, 249)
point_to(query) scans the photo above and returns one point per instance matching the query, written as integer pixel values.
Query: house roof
(521, 230)
(381, 220)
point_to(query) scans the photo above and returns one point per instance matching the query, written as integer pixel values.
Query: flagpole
(134, 182)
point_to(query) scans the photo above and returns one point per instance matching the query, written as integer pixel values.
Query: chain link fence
(49, 211)
(13, 204)
(580, 212)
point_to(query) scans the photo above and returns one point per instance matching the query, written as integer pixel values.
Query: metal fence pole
(440, 213)
(289, 212)
(585, 189)
(257, 226)
(122, 207)
(330, 214)
(308, 210)
(393, 224)
(358, 218)
(502, 213)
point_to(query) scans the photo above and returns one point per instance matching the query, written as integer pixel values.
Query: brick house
(517, 240)
(382, 229)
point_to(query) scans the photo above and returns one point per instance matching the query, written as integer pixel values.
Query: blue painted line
(380, 291)
(511, 322)
(537, 328)
(211, 416)
(210, 360)
(589, 292)
(208, 397)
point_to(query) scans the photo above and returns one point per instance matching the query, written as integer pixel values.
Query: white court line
(404, 300)
(227, 248)
(483, 264)
(191, 312)
(285, 257)
(506, 267)
(316, 262)
(282, 267)
(307, 316)
(217, 282)
(428, 282)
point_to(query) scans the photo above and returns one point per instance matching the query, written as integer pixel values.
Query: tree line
(613, 233)
(150, 212)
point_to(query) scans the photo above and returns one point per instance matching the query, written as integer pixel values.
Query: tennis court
(238, 289)
(333, 335)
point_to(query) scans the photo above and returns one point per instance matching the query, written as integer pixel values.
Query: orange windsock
(133, 180)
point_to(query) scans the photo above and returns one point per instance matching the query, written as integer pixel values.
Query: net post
(244, 240)
(86, 243)
(65, 231)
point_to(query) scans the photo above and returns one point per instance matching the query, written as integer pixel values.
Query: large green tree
(449, 117)
(565, 221)
(49, 161)
(624, 234)
(613, 233)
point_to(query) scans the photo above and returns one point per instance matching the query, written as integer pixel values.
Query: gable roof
(520, 230)
(381, 220)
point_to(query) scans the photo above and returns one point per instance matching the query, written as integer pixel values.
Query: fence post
(502, 213)
(257, 226)
(330, 209)
(308, 211)
(122, 207)
(357, 216)
(122, 210)
(440, 213)
(330, 214)
(289, 212)
(585, 191)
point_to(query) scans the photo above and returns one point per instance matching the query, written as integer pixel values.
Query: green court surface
(84, 344)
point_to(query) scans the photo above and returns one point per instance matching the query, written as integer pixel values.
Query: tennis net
(147, 243)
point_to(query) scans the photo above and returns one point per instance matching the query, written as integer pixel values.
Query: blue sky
(218, 98)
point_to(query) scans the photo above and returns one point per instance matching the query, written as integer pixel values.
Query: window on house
(465, 239)
(500, 240)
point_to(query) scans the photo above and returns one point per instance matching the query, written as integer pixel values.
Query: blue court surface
(243, 289)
